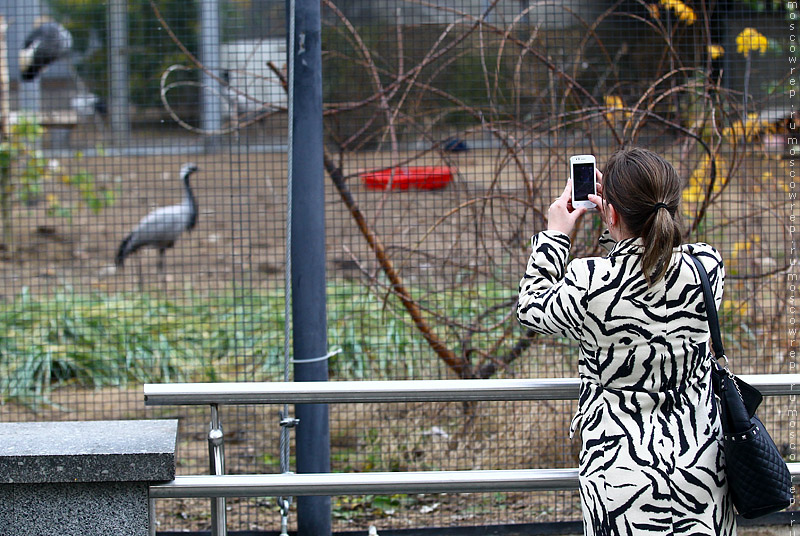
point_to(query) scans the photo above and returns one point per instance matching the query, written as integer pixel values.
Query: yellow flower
(740, 247)
(613, 102)
(716, 51)
(743, 252)
(695, 192)
(750, 40)
(681, 10)
(752, 128)
(734, 132)
(654, 12)
(735, 307)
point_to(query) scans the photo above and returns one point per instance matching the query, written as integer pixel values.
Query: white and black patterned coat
(651, 459)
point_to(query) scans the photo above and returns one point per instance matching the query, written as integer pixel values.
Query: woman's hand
(562, 216)
(598, 199)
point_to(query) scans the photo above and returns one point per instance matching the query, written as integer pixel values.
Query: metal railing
(376, 483)
(217, 486)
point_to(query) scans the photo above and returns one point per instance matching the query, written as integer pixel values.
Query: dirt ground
(241, 227)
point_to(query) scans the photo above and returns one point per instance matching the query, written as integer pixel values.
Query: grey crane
(162, 227)
(46, 44)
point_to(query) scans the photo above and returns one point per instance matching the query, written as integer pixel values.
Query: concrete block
(82, 478)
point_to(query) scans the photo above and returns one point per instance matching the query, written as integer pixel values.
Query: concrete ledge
(86, 478)
(87, 451)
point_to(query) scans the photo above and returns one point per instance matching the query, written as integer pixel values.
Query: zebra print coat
(651, 459)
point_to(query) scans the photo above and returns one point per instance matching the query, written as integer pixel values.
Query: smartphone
(583, 179)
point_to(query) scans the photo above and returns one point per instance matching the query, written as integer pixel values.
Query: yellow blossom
(741, 247)
(743, 252)
(613, 102)
(751, 40)
(654, 12)
(735, 307)
(752, 127)
(681, 10)
(695, 192)
(716, 51)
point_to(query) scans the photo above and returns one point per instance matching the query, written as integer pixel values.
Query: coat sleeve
(552, 296)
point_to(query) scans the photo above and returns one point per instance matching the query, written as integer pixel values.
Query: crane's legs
(139, 275)
(160, 261)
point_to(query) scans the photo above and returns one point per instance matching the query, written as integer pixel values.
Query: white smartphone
(583, 179)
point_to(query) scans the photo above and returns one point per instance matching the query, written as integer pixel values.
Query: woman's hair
(645, 190)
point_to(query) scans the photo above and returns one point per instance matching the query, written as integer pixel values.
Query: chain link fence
(448, 129)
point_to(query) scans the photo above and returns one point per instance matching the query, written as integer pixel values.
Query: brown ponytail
(645, 190)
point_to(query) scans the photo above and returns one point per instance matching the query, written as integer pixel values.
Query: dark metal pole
(211, 108)
(309, 334)
(119, 69)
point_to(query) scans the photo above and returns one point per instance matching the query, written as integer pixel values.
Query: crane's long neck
(189, 201)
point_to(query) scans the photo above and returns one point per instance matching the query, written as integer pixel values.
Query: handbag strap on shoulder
(711, 310)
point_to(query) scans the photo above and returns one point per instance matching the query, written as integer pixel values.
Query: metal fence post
(211, 107)
(119, 71)
(216, 456)
(309, 322)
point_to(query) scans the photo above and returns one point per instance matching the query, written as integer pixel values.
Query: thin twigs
(456, 363)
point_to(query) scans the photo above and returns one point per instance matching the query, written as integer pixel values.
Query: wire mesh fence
(448, 128)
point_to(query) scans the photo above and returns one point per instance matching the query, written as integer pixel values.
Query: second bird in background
(44, 45)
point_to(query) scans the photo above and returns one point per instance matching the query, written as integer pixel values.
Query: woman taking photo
(651, 459)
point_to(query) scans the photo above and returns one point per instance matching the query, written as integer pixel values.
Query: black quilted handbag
(758, 479)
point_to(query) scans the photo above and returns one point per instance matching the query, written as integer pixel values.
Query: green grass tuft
(97, 340)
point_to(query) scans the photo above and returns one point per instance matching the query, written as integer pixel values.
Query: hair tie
(660, 205)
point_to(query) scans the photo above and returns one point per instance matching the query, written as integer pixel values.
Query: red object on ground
(420, 177)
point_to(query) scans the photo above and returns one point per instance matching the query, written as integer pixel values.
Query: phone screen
(583, 175)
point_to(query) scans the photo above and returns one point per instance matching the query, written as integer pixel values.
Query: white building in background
(253, 86)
